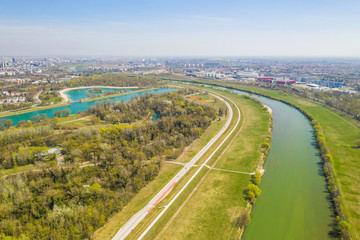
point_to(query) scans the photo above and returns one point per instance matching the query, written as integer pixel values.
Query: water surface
(294, 203)
(82, 93)
(76, 107)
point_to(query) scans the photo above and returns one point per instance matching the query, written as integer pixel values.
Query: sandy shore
(67, 99)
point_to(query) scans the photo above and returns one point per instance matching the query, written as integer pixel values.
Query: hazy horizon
(320, 28)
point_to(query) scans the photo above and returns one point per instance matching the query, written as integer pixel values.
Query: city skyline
(206, 28)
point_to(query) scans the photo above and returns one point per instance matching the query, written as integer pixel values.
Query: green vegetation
(213, 205)
(71, 202)
(50, 98)
(11, 107)
(341, 134)
(167, 172)
(109, 79)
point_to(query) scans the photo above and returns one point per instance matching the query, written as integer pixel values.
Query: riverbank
(214, 200)
(341, 134)
(67, 99)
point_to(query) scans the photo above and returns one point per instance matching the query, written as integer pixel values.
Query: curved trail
(126, 229)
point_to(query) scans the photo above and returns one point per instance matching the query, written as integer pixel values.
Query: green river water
(294, 203)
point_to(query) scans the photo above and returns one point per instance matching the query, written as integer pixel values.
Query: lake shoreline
(66, 98)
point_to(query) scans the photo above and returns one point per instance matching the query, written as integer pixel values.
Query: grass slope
(341, 135)
(210, 205)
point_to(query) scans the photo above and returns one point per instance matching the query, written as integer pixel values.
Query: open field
(216, 197)
(341, 135)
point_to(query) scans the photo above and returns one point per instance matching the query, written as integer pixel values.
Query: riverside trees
(126, 150)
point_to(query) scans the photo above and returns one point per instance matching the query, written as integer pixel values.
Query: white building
(247, 75)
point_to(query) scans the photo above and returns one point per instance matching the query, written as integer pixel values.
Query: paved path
(126, 229)
(202, 165)
(36, 98)
(226, 170)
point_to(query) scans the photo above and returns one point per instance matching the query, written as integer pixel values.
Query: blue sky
(180, 28)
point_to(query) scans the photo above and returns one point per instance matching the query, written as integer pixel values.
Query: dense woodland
(105, 164)
(109, 79)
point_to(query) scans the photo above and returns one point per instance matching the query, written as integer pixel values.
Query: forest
(109, 79)
(106, 164)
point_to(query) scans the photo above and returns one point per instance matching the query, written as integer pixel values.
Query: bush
(243, 219)
(256, 178)
(252, 192)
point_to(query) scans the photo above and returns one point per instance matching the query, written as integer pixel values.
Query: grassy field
(341, 135)
(210, 205)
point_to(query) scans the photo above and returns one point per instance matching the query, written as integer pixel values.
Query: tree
(43, 116)
(58, 113)
(358, 143)
(66, 112)
(8, 123)
(344, 228)
(5, 123)
(252, 192)
(95, 120)
(35, 118)
(243, 219)
(256, 178)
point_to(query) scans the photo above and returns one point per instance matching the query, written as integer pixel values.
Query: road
(36, 98)
(193, 176)
(139, 216)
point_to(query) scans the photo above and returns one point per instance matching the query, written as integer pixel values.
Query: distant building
(246, 75)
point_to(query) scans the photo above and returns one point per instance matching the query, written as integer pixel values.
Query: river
(294, 203)
(76, 107)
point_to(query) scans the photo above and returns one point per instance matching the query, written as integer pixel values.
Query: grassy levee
(145, 194)
(341, 134)
(210, 205)
(152, 215)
